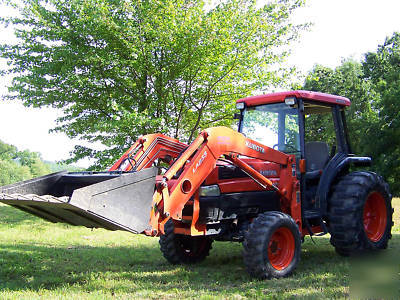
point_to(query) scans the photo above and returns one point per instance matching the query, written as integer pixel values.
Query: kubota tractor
(268, 186)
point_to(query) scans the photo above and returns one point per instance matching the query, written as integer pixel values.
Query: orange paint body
(198, 162)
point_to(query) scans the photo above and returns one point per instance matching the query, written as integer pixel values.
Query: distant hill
(57, 167)
(18, 165)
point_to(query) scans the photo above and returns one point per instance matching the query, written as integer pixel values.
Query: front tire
(272, 246)
(360, 213)
(183, 249)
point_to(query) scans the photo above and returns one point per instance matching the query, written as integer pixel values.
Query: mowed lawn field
(42, 260)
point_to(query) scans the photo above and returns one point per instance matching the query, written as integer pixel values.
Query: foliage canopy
(373, 86)
(382, 68)
(19, 165)
(119, 69)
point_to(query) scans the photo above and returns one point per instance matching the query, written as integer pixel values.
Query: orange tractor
(267, 185)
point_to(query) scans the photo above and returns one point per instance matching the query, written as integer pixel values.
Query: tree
(119, 69)
(11, 171)
(346, 80)
(382, 68)
(17, 166)
(7, 152)
(373, 86)
(34, 162)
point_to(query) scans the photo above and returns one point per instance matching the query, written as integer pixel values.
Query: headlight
(240, 105)
(210, 190)
(290, 101)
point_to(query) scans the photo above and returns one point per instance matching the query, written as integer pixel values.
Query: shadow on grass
(321, 273)
(38, 266)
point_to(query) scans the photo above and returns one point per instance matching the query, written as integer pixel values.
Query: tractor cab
(312, 127)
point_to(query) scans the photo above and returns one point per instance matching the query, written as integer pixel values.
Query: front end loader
(99, 199)
(266, 185)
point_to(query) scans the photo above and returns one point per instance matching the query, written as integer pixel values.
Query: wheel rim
(281, 248)
(375, 216)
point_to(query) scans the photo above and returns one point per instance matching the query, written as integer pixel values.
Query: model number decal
(202, 158)
(268, 173)
(255, 147)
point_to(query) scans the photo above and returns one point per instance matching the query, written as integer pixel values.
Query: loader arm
(115, 199)
(200, 158)
(146, 150)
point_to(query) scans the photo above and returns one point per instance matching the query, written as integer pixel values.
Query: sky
(341, 29)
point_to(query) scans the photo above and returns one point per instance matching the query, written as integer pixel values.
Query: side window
(319, 126)
(320, 138)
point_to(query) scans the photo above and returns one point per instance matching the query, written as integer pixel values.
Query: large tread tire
(272, 246)
(360, 213)
(182, 249)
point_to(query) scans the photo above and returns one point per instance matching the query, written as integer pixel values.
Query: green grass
(41, 260)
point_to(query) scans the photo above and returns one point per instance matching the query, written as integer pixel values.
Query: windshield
(274, 125)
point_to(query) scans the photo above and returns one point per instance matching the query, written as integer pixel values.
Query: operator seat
(317, 156)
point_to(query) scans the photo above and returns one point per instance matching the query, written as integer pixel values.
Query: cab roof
(305, 95)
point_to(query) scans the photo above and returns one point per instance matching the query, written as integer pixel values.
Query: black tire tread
(346, 206)
(255, 242)
(171, 250)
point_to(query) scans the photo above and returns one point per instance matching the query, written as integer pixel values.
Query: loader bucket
(111, 200)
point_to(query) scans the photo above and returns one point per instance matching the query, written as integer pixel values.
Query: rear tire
(360, 213)
(183, 249)
(272, 246)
